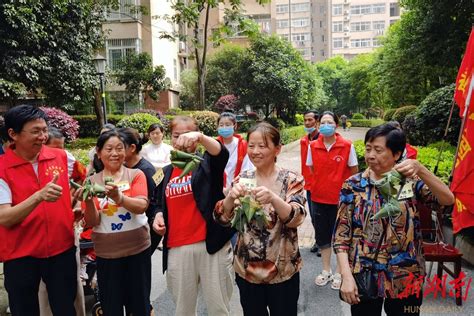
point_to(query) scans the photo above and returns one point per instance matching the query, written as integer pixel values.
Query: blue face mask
(225, 131)
(327, 130)
(309, 130)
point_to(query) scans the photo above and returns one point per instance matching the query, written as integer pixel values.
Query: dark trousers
(325, 219)
(59, 273)
(311, 211)
(125, 282)
(280, 299)
(392, 307)
(155, 240)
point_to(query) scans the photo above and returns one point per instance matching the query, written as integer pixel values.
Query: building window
(378, 25)
(282, 24)
(393, 21)
(117, 49)
(300, 22)
(281, 8)
(337, 9)
(337, 42)
(337, 26)
(322, 52)
(394, 9)
(361, 9)
(300, 7)
(376, 42)
(305, 51)
(358, 43)
(263, 21)
(127, 10)
(322, 38)
(321, 24)
(300, 37)
(284, 37)
(360, 26)
(175, 70)
(322, 9)
(378, 8)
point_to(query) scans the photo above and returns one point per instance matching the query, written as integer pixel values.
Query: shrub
(401, 113)
(366, 123)
(358, 116)
(388, 115)
(207, 121)
(277, 122)
(299, 119)
(360, 151)
(89, 125)
(429, 156)
(227, 102)
(291, 134)
(445, 146)
(431, 117)
(62, 121)
(244, 126)
(139, 121)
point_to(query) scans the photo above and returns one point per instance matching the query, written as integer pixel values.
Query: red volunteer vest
(241, 152)
(305, 170)
(48, 230)
(329, 169)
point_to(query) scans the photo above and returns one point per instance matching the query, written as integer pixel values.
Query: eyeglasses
(37, 132)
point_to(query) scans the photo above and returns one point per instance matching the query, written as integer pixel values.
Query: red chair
(435, 249)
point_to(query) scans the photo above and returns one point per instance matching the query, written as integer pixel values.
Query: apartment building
(128, 31)
(356, 25)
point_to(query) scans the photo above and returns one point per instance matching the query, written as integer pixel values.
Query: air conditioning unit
(182, 46)
(346, 12)
(347, 18)
(346, 45)
(347, 1)
(346, 29)
(346, 34)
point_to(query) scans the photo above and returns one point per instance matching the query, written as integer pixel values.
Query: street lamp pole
(99, 62)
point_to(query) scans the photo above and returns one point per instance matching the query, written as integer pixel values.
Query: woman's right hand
(349, 292)
(159, 224)
(237, 191)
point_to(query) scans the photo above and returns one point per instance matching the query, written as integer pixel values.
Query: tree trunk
(98, 107)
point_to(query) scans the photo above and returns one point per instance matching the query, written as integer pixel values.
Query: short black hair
(230, 116)
(53, 133)
(132, 137)
(18, 116)
(154, 126)
(105, 136)
(316, 114)
(395, 138)
(334, 116)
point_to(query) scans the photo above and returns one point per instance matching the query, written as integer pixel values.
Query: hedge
(366, 123)
(89, 127)
(291, 134)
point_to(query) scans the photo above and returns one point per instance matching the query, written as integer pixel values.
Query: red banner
(464, 77)
(463, 176)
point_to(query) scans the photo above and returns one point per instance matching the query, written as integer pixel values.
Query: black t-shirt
(149, 171)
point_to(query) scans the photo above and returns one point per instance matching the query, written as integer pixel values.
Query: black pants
(280, 299)
(325, 219)
(392, 307)
(311, 211)
(125, 282)
(59, 273)
(155, 240)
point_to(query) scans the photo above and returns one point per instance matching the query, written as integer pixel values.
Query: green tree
(137, 73)
(275, 79)
(46, 48)
(190, 15)
(189, 89)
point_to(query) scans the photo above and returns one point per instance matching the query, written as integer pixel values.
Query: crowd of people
(147, 199)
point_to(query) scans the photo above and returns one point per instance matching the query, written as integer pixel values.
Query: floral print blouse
(400, 252)
(271, 255)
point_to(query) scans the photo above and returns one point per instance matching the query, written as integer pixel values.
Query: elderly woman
(120, 231)
(196, 250)
(267, 259)
(388, 247)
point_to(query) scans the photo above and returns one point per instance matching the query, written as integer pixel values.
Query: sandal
(323, 278)
(336, 281)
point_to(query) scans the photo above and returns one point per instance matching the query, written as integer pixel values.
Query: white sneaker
(336, 281)
(323, 278)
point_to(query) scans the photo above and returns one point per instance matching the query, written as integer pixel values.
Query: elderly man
(36, 220)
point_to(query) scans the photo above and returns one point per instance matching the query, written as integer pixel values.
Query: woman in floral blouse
(399, 264)
(267, 260)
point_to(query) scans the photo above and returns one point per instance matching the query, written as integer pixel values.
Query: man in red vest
(311, 122)
(36, 219)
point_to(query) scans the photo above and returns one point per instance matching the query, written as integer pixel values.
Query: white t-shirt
(351, 162)
(5, 191)
(158, 155)
(233, 149)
